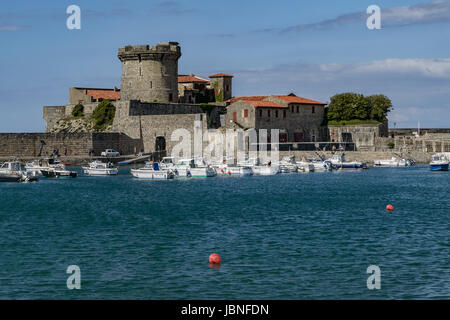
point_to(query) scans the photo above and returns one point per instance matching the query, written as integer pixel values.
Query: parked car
(110, 153)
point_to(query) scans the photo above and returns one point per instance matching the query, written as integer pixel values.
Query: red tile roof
(265, 104)
(293, 99)
(191, 78)
(245, 98)
(109, 94)
(220, 75)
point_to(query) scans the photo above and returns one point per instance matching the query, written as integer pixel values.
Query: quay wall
(77, 144)
(367, 156)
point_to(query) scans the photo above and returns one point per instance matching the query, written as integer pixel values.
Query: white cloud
(422, 13)
(419, 88)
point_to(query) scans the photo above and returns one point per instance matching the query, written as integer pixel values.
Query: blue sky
(312, 48)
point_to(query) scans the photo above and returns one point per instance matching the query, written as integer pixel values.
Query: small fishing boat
(439, 162)
(12, 172)
(395, 161)
(339, 162)
(227, 167)
(41, 164)
(320, 165)
(58, 172)
(152, 171)
(189, 168)
(288, 165)
(97, 168)
(268, 169)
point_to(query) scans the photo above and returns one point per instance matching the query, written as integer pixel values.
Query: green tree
(103, 115)
(379, 106)
(349, 106)
(78, 111)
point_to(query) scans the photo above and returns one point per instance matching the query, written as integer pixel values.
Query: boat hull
(101, 172)
(439, 167)
(152, 174)
(206, 172)
(235, 171)
(59, 174)
(266, 170)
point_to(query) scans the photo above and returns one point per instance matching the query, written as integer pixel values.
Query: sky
(314, 49)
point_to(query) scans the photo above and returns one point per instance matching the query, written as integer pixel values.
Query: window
(268, 113)
(245, 113)
(292, 109)
(227, 88)
(298, 109)
(313, 109)
(276, 113)
(260, 112)
(170, 97)
(234, 116)
(284, 114)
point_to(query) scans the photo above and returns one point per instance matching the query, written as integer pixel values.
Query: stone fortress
(154, 100)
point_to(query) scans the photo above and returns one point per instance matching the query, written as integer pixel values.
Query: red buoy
(390, 207)
(214, 258)
(229, 172)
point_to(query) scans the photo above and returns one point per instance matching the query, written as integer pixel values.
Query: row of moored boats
(170, 167)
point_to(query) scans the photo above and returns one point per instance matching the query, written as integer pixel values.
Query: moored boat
(97, 168)
(12, 172)
(439, 162)
(152, 171)
(58, 172)
(41, 164)
(394, 162)
(189, 168)
(339, 162)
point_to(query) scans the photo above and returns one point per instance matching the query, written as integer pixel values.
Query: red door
(235, 116)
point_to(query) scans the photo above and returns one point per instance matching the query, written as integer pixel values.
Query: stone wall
(77, 144)
(364, 135)
(52, 114)
(152, 122)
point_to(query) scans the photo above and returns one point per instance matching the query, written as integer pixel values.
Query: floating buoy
(229, 172)
(390, 207)
(214, 258)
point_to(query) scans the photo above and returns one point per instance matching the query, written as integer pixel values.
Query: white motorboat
(188, 168)
(42, 164)
(321, 165)
(339, 162)
(440, 162)
(97, 168)
(227, 167)
(268, 169)
(394, 162)
(58, 172)
(152, 171)
(12, 172)
(288, 165)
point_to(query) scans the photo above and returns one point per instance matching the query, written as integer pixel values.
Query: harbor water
(293, 236)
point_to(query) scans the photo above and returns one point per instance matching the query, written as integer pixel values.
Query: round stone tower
(150, 75)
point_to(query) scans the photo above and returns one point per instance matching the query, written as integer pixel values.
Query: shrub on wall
(355, 107)
(78, 111)
(103, 115)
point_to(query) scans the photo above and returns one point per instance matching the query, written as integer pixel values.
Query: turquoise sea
(297, 236)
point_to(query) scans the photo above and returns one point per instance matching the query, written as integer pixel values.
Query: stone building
(298, 119)
(87, 95)
(222, 85)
